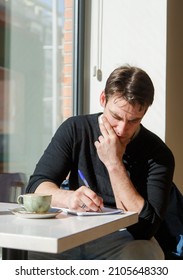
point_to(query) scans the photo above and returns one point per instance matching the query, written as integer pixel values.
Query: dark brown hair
(131, 83)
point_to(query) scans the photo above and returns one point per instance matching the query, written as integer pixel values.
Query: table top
(57, 234)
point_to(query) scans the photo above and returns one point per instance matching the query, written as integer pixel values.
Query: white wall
(134, 32)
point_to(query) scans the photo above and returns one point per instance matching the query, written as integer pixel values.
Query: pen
(85, 181)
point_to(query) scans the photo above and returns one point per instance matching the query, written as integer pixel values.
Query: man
(126, 165)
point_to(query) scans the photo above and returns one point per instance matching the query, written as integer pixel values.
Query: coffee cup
(35, 202)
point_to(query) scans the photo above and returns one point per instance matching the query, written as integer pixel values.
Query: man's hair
(131, 83)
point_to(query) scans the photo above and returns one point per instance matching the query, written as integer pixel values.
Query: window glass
(35, 78)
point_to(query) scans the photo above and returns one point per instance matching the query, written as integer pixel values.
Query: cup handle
(20, 199)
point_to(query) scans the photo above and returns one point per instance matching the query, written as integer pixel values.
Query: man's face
(122, 116)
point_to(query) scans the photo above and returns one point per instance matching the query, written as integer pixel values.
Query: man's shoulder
(150, 143)
(145, 132)
(76, 124)
(82, 118)
(150, 137)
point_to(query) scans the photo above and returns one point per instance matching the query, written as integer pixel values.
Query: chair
(11, 186)
(170, 233)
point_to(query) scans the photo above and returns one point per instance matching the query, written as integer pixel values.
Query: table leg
(14, 254)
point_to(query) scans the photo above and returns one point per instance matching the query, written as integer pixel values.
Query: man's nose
(121, 128)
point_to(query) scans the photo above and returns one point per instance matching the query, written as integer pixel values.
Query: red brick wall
(67, 70)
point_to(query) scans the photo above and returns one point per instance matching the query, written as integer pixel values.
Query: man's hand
(84, 199)
(109, 147)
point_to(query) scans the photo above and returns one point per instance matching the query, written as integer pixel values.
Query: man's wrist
(114, 166)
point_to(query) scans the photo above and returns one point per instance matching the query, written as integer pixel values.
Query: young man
(126, 165)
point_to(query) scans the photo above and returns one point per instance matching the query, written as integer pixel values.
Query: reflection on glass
(33, 86)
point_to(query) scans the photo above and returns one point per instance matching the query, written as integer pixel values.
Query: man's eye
(133, 121)
(116, 118)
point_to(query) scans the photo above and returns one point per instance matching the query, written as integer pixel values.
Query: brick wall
(67, 53)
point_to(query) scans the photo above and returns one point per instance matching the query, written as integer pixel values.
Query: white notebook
(105, 211)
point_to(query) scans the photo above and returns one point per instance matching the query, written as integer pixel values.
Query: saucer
(21, 212)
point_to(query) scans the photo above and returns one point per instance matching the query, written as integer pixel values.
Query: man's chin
(124, 140)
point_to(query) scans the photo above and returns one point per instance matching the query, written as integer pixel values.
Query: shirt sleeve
(55, 163)
(155, 187)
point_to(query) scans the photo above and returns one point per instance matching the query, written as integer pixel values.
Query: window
(36, 69)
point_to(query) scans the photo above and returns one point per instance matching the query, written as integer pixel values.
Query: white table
(57, 234)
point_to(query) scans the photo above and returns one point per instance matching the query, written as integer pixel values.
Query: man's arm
(60, 196)
(110, 151)
(71, 199)
(126, 195)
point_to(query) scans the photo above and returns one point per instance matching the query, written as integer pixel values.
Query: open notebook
(105, 211)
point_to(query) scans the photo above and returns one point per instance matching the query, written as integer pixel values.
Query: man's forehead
(123, 105)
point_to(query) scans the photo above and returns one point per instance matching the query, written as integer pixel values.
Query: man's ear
(102, 99)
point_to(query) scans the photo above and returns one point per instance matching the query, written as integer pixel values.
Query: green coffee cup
(35, 202)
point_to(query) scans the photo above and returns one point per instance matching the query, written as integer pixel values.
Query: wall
(141, 34)
(131, 32)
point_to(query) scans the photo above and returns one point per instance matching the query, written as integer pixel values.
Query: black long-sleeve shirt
(148, 161)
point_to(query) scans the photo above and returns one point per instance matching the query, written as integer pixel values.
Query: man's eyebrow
(115, 115)
(119, 118)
